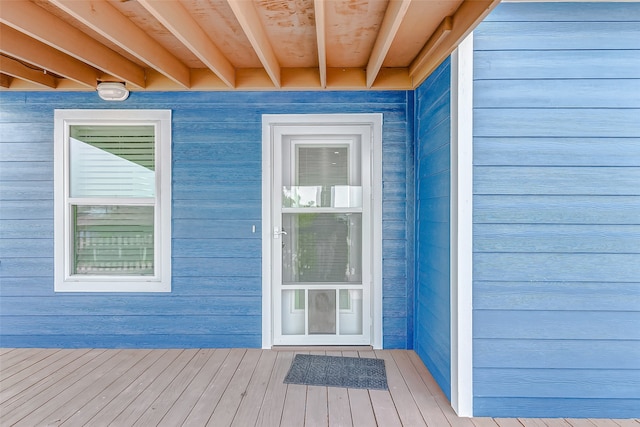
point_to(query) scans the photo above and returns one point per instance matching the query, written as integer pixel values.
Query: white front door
(321, 233)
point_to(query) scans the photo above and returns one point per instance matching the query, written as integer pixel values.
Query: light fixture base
(112, 91)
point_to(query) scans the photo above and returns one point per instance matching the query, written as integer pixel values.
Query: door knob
(277, 232)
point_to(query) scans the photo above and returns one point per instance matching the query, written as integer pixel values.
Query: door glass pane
(112, 161)
(113, 240)
(322, 311)
(293, 312)
(322, 247)
(350, 311)
(322, 175)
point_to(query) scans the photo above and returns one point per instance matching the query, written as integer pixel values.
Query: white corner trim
(462, 228)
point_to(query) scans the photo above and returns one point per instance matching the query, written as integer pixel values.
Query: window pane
(322, 247)
(113, 240)
(112, 161)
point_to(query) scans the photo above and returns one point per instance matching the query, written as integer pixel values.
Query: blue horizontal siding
(217, 200)
(432, 340)
(557, 211)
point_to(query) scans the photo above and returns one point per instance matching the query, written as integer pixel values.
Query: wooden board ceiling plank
(390, 24)
(321, 35)
(465, 19)
(16, 69)
(40, 24)
(249, 20)
(444, 28)
(106, 20)
(182, 25)
(21, 46)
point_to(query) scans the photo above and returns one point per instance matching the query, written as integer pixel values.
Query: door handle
(277, 232)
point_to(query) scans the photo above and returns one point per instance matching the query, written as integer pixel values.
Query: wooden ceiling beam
(31, 51)
(444, 28)
(16, 69)
(249, 20)
(321, 35)
(447, 37)
(106, 20)
(5, 80)
(396, 10)
(36, 22)
(182, 25)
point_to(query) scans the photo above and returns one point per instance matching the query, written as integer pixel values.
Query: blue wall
(557, 211)
(216, 297)
(432, 224)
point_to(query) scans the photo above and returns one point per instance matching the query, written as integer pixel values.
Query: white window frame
(160, 281)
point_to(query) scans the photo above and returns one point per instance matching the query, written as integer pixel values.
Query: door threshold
(322, 348)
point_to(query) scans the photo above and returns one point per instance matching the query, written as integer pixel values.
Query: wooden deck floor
(220, 387)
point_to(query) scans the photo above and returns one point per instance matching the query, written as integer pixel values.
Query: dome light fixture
(112, 91)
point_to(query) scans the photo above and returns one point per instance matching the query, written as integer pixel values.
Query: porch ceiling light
(112, 91)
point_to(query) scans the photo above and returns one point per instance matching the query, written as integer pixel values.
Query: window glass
(113, 240)
(112, 161)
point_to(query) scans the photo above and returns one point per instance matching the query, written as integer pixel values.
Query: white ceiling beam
(248, 18)
(18, 70)
(396, 10)
(21, 46)
(36, 22)
(182, 25)
(321, 33)
(107, 21)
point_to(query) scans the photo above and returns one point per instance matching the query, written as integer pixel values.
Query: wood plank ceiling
(229, 44)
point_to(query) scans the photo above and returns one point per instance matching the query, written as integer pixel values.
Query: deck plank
(15, 408)
(338, 407)
(272, 405)
(403, 398)
(65, 403)
(82, 415)
(16, 355)
(580, 422)
(508, 422)
(362, 414)
(317, 414)
(9, 369)
(484, 422)
(294, 405)
(222, 387)
(210, 398)
(159, 408)
(425, 401)
(147, 397)
(115, 407)
(236, 391)
(599, 422)
(17, 382)
(249, 408)
(545, 422)
(184, 404)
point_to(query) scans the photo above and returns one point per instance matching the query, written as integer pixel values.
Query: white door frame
(270, 122)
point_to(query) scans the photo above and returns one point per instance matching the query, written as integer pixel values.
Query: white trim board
(462, 228)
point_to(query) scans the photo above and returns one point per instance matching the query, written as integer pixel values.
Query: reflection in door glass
(322, 247)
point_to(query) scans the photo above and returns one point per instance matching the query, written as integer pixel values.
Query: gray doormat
(332, 371)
